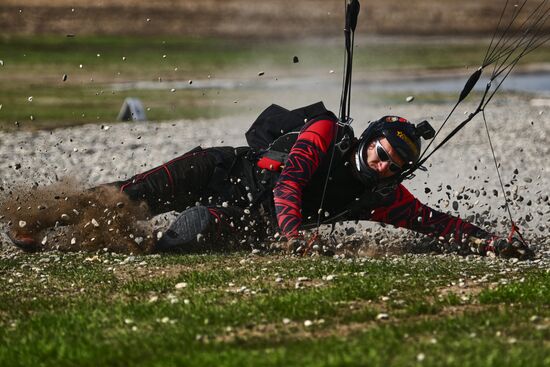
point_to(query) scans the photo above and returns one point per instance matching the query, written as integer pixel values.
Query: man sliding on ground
(230, 195)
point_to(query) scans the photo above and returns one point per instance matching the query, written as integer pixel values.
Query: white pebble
(181, 285)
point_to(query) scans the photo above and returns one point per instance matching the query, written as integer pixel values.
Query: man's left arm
(406, 211)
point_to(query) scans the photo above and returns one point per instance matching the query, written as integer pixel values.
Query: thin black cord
(496, 167)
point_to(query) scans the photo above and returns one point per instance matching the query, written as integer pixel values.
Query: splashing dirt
(62, 217)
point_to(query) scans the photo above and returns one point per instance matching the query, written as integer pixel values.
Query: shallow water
(527, 82)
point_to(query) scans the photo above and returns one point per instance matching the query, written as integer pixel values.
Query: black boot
(186, 229)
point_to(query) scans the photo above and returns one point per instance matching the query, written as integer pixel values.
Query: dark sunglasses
(385, 157)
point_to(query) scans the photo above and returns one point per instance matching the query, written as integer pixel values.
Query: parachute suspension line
(352, 8)
(514, 228)
(496, 167)
(495, 33)
(504, 54)
(509, 46)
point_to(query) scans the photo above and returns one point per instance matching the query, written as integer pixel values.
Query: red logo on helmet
(395, 119)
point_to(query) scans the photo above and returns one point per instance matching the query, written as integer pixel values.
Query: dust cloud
(63, 217)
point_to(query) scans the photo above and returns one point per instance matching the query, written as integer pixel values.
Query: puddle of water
(533, 82)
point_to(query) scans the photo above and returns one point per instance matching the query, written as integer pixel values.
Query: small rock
(308, 323)
(295, 59)
(409, 99)
(22, 224)
(382, 316)
(535, 318)
(181, 285)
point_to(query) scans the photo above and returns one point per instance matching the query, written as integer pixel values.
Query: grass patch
(240, 310)
(33, 66)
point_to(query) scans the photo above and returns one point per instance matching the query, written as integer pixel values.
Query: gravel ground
(461, 178)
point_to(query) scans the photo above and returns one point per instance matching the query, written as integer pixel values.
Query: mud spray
(62, 217)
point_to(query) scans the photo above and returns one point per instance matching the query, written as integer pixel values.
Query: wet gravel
(461, 178)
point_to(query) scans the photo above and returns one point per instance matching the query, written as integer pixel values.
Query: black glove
(516, 248)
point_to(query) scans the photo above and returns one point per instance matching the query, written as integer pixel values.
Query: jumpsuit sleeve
(406, 211)
(303, 160)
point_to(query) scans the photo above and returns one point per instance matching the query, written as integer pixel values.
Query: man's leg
(174, 185)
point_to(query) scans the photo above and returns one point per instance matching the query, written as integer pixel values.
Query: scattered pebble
(181, 285)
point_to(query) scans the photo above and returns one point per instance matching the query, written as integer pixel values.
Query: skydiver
(226, 195)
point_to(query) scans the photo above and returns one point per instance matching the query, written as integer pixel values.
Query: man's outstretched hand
(501, 247)
(515, 248)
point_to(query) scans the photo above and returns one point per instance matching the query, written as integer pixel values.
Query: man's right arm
(303, 160)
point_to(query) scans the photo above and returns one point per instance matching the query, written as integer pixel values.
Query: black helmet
(403, 136)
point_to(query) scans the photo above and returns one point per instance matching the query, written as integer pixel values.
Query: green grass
(34, 66)
(64, 309)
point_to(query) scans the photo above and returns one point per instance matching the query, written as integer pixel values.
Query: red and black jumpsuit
(400, 208)
(249, 203)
